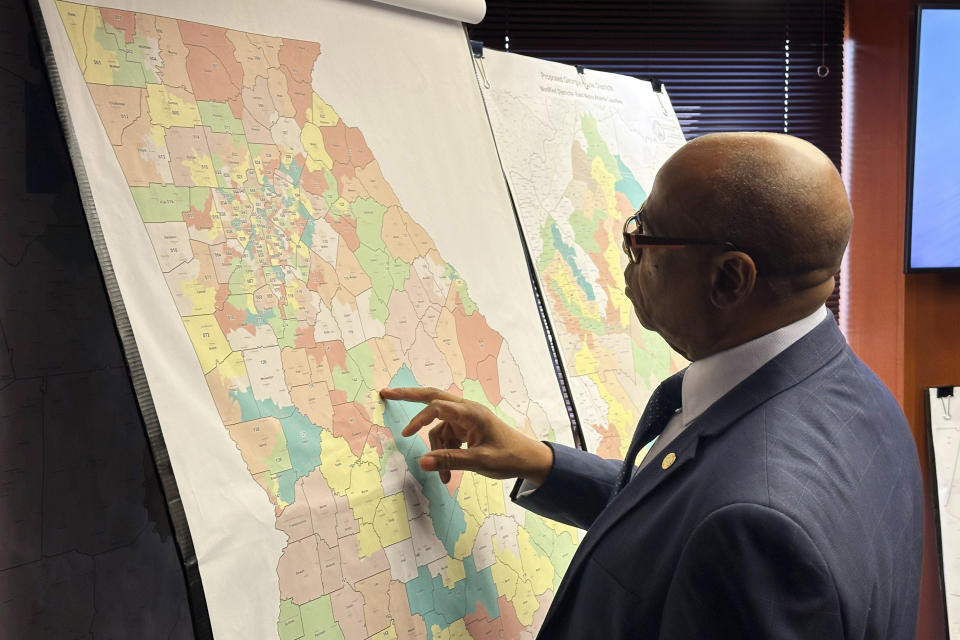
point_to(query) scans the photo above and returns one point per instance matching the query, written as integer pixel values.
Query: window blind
(771, 65)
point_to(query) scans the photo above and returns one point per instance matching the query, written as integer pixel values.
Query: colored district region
(613, 364)
(304, 287)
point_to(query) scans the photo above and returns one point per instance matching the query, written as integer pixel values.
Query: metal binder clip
(580, 74)
(944, 394)
(476, 47)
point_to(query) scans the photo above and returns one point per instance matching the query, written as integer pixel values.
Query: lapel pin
(668, 460)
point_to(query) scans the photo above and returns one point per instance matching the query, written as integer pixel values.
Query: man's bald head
(780, 203)
(775, 197)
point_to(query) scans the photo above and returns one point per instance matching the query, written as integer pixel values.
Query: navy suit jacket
(793, 509)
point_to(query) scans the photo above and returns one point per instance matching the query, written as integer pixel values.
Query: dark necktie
(664, 402)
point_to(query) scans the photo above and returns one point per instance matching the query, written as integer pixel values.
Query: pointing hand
(494, 449)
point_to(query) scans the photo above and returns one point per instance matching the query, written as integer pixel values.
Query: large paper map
(304, 286)
(580, 151)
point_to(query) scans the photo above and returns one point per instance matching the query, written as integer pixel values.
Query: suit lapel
(796, 363)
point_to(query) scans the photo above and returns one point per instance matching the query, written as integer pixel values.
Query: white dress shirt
(711, 378)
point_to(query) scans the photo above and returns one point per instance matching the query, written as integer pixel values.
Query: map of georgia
(613, 363)
(304, 287)
(580, 151)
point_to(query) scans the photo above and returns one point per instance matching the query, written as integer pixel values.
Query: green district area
(312, 619)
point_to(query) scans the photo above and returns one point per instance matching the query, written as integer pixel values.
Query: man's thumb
(446, 460)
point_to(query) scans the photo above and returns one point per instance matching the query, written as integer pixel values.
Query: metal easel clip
(945, 394)
(476, 48)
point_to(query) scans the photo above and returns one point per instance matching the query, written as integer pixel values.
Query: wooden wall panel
(907, 328)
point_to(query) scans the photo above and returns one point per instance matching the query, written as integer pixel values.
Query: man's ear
(734, 278)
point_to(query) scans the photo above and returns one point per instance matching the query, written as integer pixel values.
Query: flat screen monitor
(933, 181)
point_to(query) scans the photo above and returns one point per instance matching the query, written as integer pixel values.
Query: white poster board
(580, 149)
(943, 406)
(296, 204)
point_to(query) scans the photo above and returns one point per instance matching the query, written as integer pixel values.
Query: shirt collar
(709, 379)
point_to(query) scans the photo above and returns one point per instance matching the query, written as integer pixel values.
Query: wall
(904, 327)
(86, 547)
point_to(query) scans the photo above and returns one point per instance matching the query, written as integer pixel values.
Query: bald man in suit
(781, 497)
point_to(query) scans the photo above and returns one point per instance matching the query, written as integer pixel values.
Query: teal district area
(441, 606)
(302, 436)
(427, 595)
(628, 185)
(597, 147)
(447, 516)
(570, 257)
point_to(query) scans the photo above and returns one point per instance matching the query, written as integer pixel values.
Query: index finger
(417, 394)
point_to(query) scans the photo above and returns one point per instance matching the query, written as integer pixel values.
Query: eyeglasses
(634, 240)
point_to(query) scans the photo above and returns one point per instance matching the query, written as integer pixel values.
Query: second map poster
(580, 152)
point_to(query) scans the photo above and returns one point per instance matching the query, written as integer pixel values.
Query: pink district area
(304, 287)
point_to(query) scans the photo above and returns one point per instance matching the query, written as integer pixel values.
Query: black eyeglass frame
(634, 243)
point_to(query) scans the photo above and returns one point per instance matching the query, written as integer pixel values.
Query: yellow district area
(322, 114)
(479, 497)
(239, 168)
(506, 573)
(367, 541)
(467, 497)
(454, 573)
(494, 491)
(73, 16)
(159, 136)
(584, 362)
(538, 568)
(335, 461)
(504, 577)
(563, 277)
(201, 169)
(370, 400)
(606, 181)
(202, 294)
(617, 415)
(208, 340)
(378, 406)
(258, 169)
(525, 602)
(612, 255)
(312, 141)
(456, 631)
(390, 633)
(98, 63)
(169, 110)
(507, 559)
(365, 491)
(304, 200)
(233, 366)
(390, 520)
(341, 207)
(370, 456)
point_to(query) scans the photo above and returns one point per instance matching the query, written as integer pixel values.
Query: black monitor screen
(933, 220)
